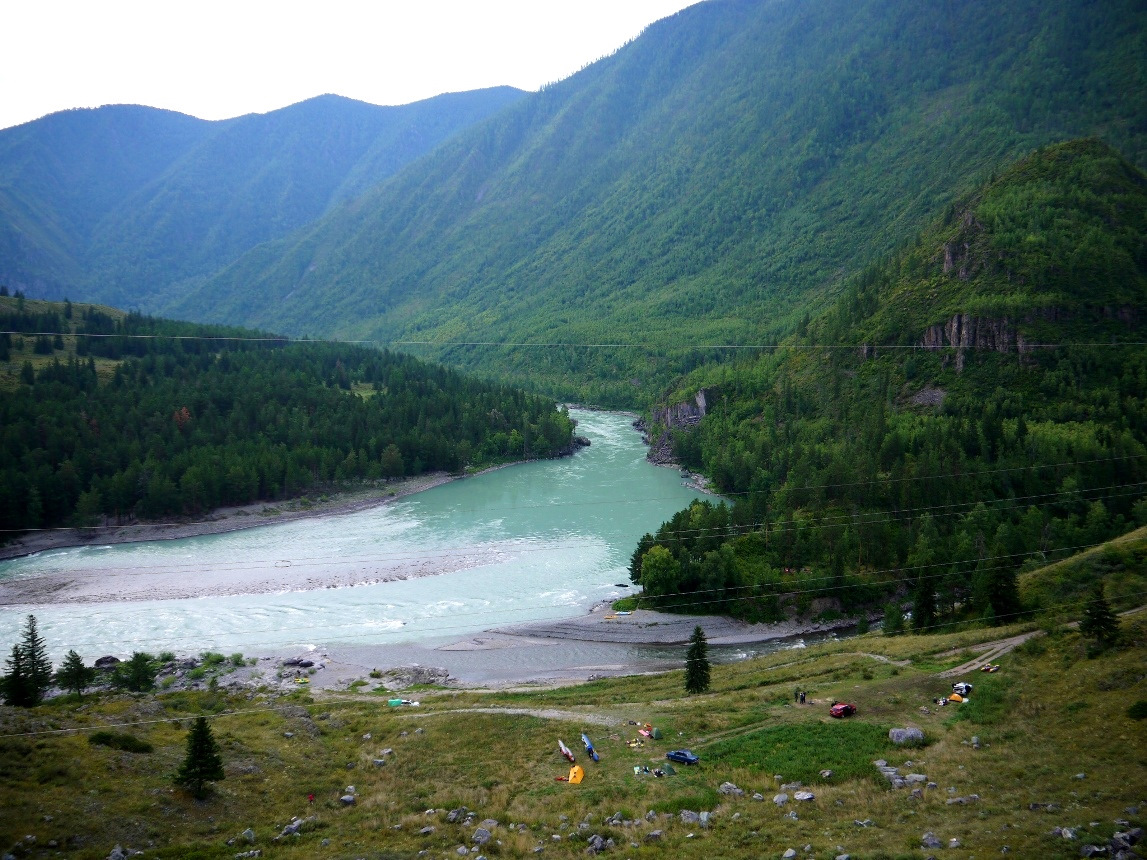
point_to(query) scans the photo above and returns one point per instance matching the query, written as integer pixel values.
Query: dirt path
(989, 651)
(540, 713)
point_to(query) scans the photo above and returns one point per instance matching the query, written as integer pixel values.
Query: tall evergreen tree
(74, 675)
(1099, 622)
(697, 663)
(15, 683)
(37, 665)
(203, 763)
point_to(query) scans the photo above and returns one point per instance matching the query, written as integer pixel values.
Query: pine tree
(15, 683)
(697, 663)
(924, 605)
(37, 666)
(74, 675)
(1099, 622)
(893, 619)
(203, 763)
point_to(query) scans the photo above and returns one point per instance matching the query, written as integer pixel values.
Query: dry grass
(1050, 714)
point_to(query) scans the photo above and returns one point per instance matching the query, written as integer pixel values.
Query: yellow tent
(955, 697)
(576, 774)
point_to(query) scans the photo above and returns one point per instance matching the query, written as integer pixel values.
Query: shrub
(1138, 711)
(119, 741)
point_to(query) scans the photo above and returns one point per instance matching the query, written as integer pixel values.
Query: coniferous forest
(121, 416)
(971, 408)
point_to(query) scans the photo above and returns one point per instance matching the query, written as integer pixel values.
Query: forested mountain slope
(706, 184)
(122, 415)
(125, 203)
(973, 406)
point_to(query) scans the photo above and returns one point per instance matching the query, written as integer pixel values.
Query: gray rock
(929, 840)
(865, 823)
(117, 853)
(347, 800)
(913, 778)
(758, 796)
(880, 763)
(790, 854)
(481, 836)
(704, 819)
(454, 814)
(596, 844)
(688, 816)
(826, 774)
(461, 850)
(379, 762)
(653, 835)
(953, 842)
(781, 799)
(730, 788)
(1080, 776)
(791, 786)
(426, 831)
(1092, 850)
(907, 735)
(249, 835)
(843, 857)
(255, 852)
(804, 795)
(490, 823)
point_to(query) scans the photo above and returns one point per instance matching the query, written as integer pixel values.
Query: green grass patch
(801, 751)
(991, 701)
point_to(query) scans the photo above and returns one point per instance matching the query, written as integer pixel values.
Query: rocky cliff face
(685, 414)
(677, 417)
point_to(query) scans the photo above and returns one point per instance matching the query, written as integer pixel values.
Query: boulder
(780, 799)
(688, 816)
(906, 735)
(730, 788)
(804, 795)
(481, 836)
(249, 835)
(929, 840)
(347, 800)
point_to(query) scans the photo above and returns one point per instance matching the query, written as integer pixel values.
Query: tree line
(166, 419)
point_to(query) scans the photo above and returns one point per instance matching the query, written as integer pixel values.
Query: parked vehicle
(841, 709)
(682, 756)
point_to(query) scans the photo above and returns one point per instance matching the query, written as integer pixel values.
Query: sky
(221, 58)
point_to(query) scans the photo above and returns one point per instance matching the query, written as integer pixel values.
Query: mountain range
(711, 183)
(126, 204)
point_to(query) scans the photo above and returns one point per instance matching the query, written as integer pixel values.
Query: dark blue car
(682, 756)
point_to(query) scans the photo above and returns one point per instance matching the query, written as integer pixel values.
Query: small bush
(166, 657)
(1138, 711)
(211, 658)
(119, 741)
(237, 659)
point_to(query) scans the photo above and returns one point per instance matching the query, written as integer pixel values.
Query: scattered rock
(826, 774)
(865, 823)
(347, 800)
(929, 840)
(913, 778)
(730, 788)
(255, 852)
(804, 795)
(781, 799)
(481, 836)
(688, 816)
(758, 796)
(653, 835)
(704, 819)
(249, 835)
(117, 853)
(789, 854)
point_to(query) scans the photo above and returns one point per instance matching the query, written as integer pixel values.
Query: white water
(535, 541)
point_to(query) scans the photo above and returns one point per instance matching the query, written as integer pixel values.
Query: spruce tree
(697, 663)
(73, 675)
(15, 683)
(203, 763)
(1099, 622)
(37, 666)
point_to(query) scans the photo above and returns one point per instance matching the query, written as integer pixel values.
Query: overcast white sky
(221, 58)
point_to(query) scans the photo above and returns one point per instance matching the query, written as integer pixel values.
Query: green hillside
(124, 204)
(971, 408)
(706, 184)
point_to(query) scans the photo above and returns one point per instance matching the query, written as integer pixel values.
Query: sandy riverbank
(225, 519)
(541, 654)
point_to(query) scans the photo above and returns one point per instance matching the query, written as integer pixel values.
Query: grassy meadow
(1051, 714)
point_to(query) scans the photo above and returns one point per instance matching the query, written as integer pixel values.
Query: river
(534, 541)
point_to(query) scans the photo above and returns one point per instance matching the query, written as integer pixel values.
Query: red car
(842, 709)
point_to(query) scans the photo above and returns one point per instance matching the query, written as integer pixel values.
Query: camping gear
(655, 734)
(565, 751)
(590, 751)
(962, 688)
(955, 697)
(576, 774)
(397, 703)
